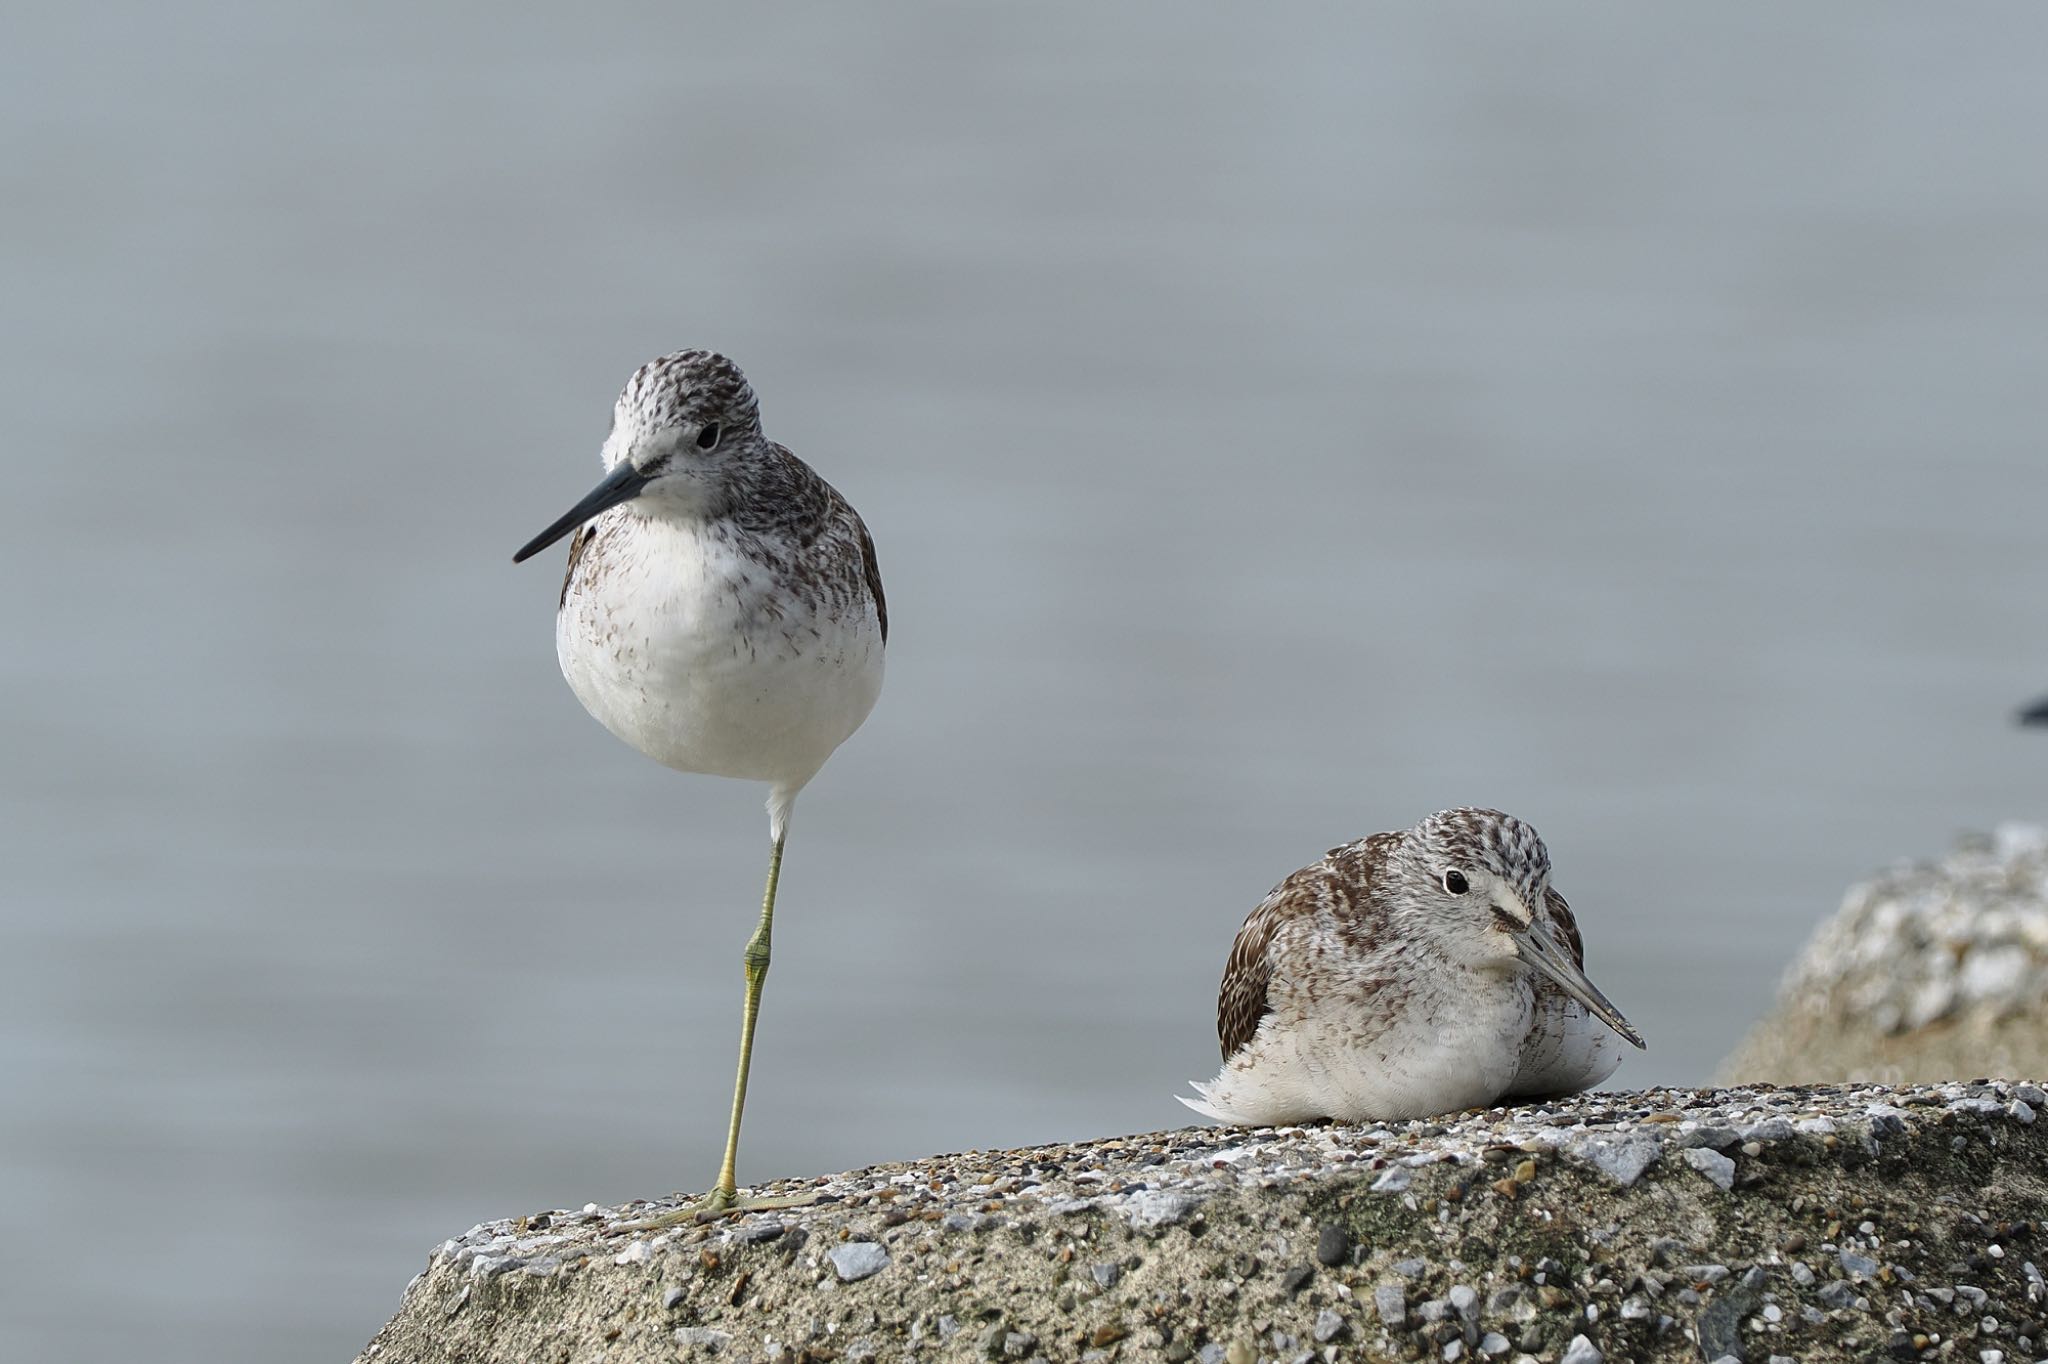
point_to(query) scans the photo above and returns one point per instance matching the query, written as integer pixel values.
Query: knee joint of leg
(755, 958)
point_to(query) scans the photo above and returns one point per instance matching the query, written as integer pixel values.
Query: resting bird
(1408, 974)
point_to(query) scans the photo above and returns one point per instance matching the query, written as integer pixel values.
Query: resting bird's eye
(708, 438)
(1455, 882)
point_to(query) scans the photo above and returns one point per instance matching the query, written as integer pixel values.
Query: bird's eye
(1455, 882)
(708, 438)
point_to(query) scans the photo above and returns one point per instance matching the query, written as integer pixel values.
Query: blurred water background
(1275, 426)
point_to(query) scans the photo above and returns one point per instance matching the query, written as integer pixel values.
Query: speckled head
(680, 426)
(1476, 846)
(683, 394)
(1479, 880)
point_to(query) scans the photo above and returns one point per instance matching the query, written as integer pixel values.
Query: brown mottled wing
(873, 572)
(1560, 916)
(578, 542)
(1340, 883)
(1242, 1002)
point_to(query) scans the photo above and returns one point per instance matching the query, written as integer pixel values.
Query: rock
(1158, 1208)
(1720, 1326)
(1581, 1351)
(1836, 1293)
(1719, 1170)
(1642, 1255)
(857, 1260)
(1395, 1180)
(1333, 1245)
(1621, 1158)
(706, 1338)
(1926, 973)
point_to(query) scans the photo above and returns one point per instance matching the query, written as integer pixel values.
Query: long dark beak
(622, 484)
(2036, 714)
(1542, 953)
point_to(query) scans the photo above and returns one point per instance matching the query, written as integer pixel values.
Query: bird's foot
(712, 1206)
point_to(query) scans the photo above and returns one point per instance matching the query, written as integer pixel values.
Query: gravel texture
(1926, 972)
(1854, 1223)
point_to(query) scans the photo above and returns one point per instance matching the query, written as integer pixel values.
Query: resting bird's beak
(1543, 954)
(622, 484)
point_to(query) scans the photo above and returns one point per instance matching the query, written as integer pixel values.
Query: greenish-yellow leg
(755, 959)
(724, 1196)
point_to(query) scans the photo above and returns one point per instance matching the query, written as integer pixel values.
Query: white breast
(1567, 1049)
(695, 654)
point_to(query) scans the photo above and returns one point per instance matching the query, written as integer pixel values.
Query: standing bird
(722, 612)
(1409, 974)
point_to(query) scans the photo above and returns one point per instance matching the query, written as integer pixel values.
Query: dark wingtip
(2036, 714)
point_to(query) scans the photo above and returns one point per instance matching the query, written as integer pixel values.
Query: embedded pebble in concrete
(1582, 1351)
(857, 1260)
(1154, 1208)
(1621, 1159)
(1855, 1221)
(1718, 1169)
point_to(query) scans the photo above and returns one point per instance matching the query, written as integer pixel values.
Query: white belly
(686, 650)
(1443, 1054)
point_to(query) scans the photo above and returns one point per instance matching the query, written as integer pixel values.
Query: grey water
(1275, 426)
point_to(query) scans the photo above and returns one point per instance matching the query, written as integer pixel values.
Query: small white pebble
(1582, 1351)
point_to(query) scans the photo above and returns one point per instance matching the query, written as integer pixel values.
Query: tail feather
(1206, 1104)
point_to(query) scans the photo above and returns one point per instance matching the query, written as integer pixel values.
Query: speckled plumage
(1362, 987)
(734, 625)
(722, 612)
